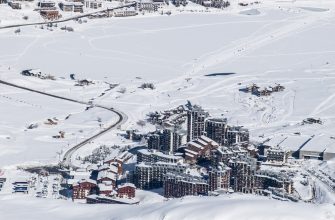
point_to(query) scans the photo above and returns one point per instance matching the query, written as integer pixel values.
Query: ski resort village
(167, 109)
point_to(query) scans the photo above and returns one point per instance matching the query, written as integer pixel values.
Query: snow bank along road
(70, 18)
(68, 154)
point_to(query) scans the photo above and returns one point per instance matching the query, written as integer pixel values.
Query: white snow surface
(223, 207)
(288, 42)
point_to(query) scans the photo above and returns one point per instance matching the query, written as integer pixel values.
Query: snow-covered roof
(126, 185)
(143, 165)
(106, 174)
(80, 174)
(66, 3)
(113, 169)
(288, 142)
(320, 143)
(201, 142)
(104, 187)
(189, 155)
(103, 167)
(88, 181)
(195, 145)
(46, 1)
(159, 154)
(190, 152)
(34, 71)
(208, 140)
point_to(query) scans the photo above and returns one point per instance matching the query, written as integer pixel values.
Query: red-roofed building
(83, 189)
(126, 190)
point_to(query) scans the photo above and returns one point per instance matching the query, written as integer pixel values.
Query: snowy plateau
(89, 91)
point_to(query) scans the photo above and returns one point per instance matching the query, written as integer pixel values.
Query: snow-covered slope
(289, 42)
(230, 208)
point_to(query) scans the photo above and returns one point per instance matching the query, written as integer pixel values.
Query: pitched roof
(126, 185)
(106, 174)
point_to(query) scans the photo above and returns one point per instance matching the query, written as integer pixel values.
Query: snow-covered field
(223, 207)
(291, 43)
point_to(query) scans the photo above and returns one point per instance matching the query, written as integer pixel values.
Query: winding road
(66, 162)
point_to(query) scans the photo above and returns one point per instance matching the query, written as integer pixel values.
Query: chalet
(72, 6)
(115, 168)
(111, 168)
(106, 190)
(313, 121)
(73, 177)
(36, 73)
(255, 90)
(263, 92)
(107, 178)
(84, 82)
(207, 3)
(126, 190)
(66, 6)
(46, 4)
(220, 3)
(83, 188)
(50, 14)
(177, 3)
(61, 134)
(124, 12)
(15, 5)
(103, 167)
(148, 5)
(93, 4)
(252, 88)
(118, 162)
(80, 1)
(114, 160)
(277, 88)
(78, 7)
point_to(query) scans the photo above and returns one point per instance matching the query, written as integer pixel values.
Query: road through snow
(68, 154)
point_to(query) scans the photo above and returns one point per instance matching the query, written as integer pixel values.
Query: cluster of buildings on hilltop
(267, 91)
(210, 157)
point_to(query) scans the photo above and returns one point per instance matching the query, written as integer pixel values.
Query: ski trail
(326, 104)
